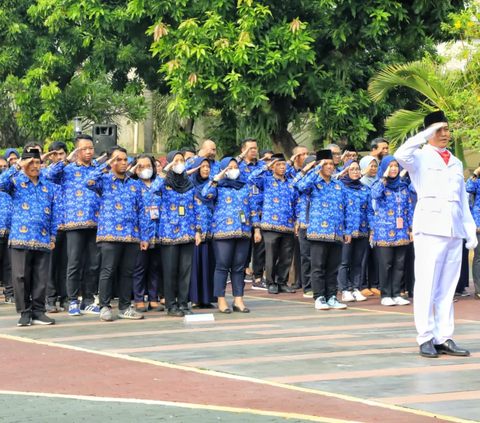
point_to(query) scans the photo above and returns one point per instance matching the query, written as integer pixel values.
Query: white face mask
(178, 168)
(233, 174)
(145, 174)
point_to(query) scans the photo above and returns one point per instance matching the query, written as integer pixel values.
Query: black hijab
(178, 182)
(200, 182)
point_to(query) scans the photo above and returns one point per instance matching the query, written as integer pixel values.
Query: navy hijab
(238, 183)
(349, 182)
(178, 182)
(200, 182)
(392, 183)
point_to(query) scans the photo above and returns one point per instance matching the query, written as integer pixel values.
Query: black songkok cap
(349, 147)
(435, 117)
(279, 157)
(324, 155)
(33, 153)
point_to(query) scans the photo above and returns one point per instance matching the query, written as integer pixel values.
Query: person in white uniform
(441, 221)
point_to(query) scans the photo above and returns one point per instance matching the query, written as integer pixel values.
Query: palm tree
(437, 89)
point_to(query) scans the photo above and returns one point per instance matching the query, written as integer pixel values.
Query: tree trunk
(148, 124)
(283, 141)
(459, 153)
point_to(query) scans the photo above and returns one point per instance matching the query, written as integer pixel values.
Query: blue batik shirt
(390, 205)
(279, 201)
(34, 225)
(151, 200)
(229, 206)
(174, 228)
(246, 169)
(303, 203)
(359, 212)
(122, 212)
(5, 214)
(327, 207)
(214, 166)
(80, 204)
(473, 187)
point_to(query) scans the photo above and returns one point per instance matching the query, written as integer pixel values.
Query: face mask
(146, 174)
(179, 168)
(233, 174)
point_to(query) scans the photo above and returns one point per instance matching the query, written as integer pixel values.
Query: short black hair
(145, 156)
(376, 141)
(188, 149)
(33, 144)
(83, 137)
(115, 148)
(58, 145)
(249, 139)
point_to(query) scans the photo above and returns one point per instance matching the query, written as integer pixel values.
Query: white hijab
(367, 179)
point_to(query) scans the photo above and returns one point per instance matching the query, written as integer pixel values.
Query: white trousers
(438, 261)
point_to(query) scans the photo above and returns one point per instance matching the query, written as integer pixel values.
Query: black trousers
(177, 270)
(326, 258)
(57, 280)
(409, 277)
(278, 256)
(370, 266)
(29, 271)
(256, 254)
(297, 262)
(350, 272)
(6, 266)
(146, 276)
(391, 267)
(122, 258)
(305, 259)
(83, 253)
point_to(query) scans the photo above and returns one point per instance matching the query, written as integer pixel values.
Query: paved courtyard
(282, 362)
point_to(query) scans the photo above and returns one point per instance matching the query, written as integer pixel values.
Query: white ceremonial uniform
(441, 221)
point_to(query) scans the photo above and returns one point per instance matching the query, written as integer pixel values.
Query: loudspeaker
(104, 137)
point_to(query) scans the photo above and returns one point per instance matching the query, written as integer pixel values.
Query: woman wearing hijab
(147, 280)
(203, 268)
(358, 222)
(234, 215)
(180, 227)
(392, 230)
(369, 171)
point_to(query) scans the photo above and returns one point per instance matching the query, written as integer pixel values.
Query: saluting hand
(309, 166)
(73, 156)
(243, 154)
(46, 156)
(385, 174)
(24, 162)
(221, 175)
(270, 165)
(112, 160)
(429, 132)
(189, 172)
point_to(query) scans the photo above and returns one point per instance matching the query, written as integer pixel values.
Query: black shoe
(10, 300)
(238, 309)
(272, 289)
(296, 286)
(196, 306)
(449, 347)
(428, 350)
(225, 311)
(42, 319)
(186, 311)
(207, 306)
(286, 289)
(175, 312)
(26, 319)
(463, 293)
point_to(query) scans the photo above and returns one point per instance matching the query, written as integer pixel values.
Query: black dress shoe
(207, 306)
(238, 309)
(428, 350)
(225, 311)
(272, 289)
(296, 286)
(449, 347)
(287, 289)
(186, 310)
(175, 312)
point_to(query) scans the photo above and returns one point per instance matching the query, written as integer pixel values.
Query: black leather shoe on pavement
(272, 289)
(449, 347)
(175, 312)
(428, 350)
(286, 289)
(238, 309)
(296, 286)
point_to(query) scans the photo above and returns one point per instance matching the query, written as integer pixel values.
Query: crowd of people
(172, 233)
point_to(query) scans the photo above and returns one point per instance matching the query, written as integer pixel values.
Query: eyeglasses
(337, 154)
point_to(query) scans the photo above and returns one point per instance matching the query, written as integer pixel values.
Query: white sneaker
(130, 313)
(347, 296)
(308, 294)
(358, 295)
(321, 304)
(401, 301)
(387, 301)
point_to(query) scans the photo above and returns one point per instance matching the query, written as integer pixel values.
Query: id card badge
(181, 210)
(399, 223)
(154, 214)
(255, 190)
(243, 218)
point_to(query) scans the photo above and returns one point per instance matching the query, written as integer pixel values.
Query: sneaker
(89, 309)
(375, 292)
(96, 299)
(10, 300)
(51, 308)
(261, 285)
(308, 294)
(26, 319)
(358, 295)
(347, 296)
(463, 293)
(64, 305)
(42, 319)
(248, 278)
(401, 301)
(366, 292)
(73, 309)
(106, 314)
(129, 313)
(387, 301)
(321, 304)
(335, 304)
